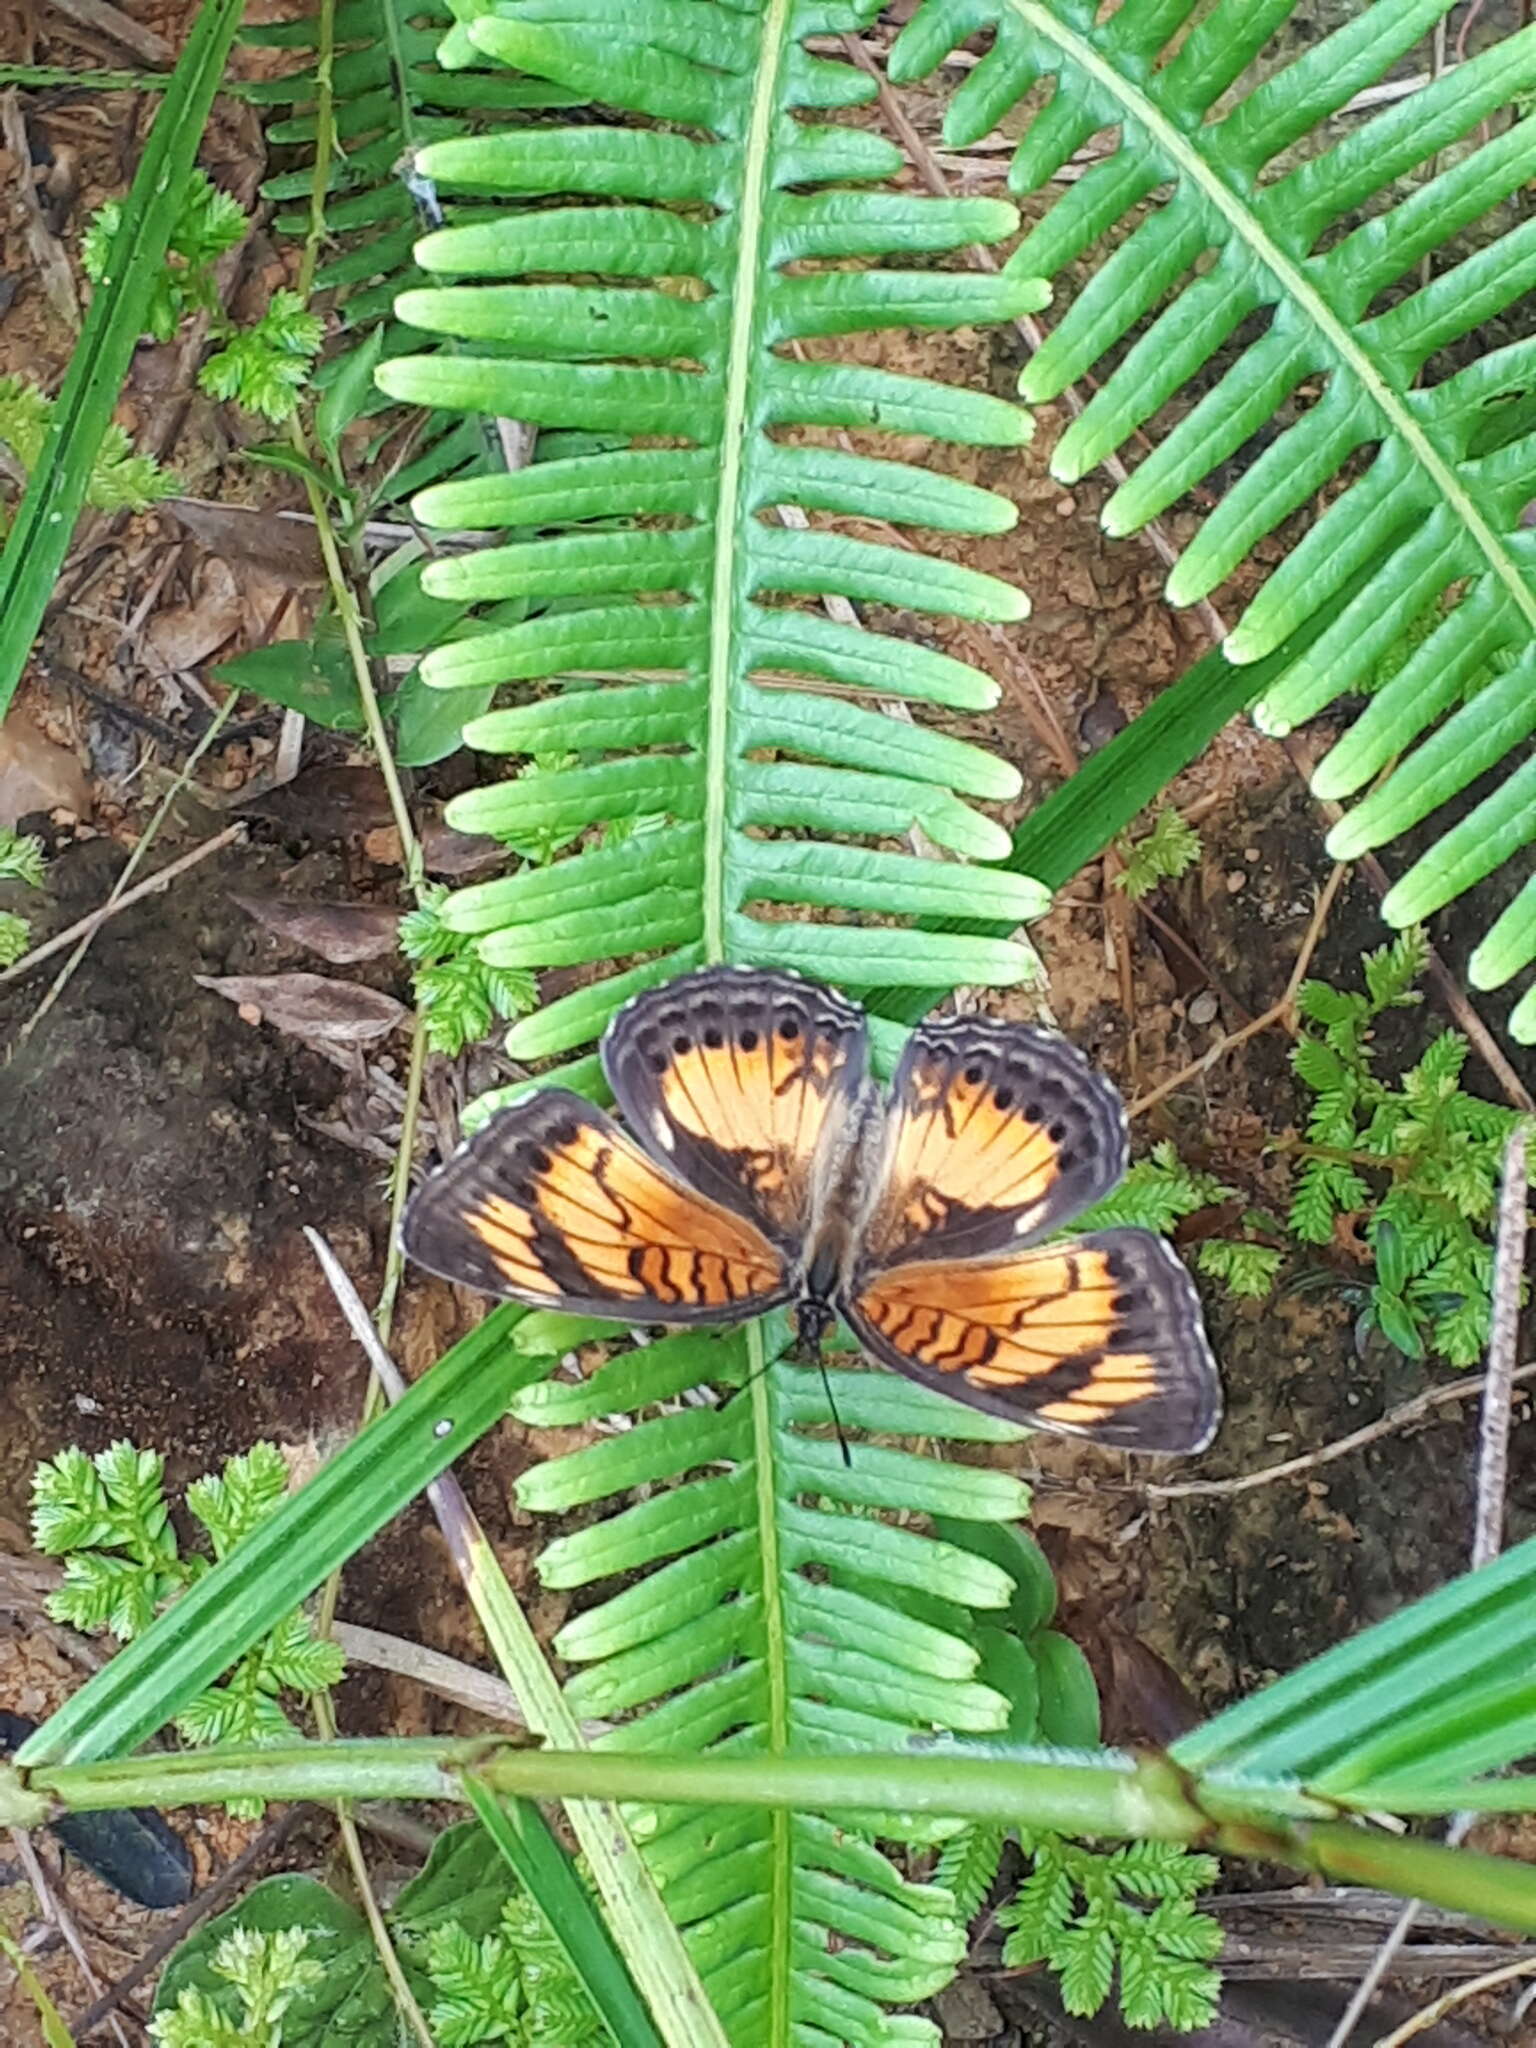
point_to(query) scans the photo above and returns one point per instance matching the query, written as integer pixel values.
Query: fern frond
(1345, 380)
(391, 98)
(683, 658)
(762, 1612)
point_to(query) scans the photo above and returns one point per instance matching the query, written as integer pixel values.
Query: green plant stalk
(45, 520)
(41, 77)
(368, 1898)
(544, 1871)
(350, 619)
(777, 1666)
(325, 147)
(399, 1189)
(283, 1561)
(1114, 1797)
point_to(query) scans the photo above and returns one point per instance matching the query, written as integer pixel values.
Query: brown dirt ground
(160, 1153)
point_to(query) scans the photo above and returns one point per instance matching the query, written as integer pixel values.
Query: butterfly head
(814, 1316)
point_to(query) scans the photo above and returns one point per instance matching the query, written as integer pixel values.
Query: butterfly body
(761, 1167)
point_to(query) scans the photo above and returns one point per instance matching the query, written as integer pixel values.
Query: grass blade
(45, 519)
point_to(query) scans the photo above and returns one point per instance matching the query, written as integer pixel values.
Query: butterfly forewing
(996, 1135)
(1096, 1336)
(740, 1082)
(554, 1205)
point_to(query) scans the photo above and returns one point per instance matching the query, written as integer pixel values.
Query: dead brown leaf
(339, 932)
(456, 854)
(184, 635)
(326, 1014)
(284, 547)
(328, 803)
(35, 775)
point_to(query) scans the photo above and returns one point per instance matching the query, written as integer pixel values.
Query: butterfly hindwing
(996, 1135)
(1095, 1336)
(552, 1204)
(741, 1083)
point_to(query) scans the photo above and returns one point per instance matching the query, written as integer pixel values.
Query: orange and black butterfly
(762, 1166)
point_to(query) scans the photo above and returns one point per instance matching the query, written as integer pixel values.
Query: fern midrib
(1340, 336)
(730, 513)
(776, 1678)
(726, 616)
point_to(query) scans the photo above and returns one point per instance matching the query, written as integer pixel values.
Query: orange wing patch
(1099, 1337)
(552, 1204)
(997, 1134)
(955, 1143)
(736, 1081)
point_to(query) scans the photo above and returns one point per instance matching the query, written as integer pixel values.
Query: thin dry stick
(1277, 1013)
(1488, 1521)
(1386, 1425)
(119, 891)
(1431, 2015)
(1508, 1266)
(55, 1910)
(87, 927)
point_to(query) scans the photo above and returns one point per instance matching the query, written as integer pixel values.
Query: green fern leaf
(760, 774)
(761, 1610)
(1251, 227)
(968, 1867)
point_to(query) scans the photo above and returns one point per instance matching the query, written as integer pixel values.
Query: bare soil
(161, 1152)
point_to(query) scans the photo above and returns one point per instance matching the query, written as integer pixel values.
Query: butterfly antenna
(826, 1381)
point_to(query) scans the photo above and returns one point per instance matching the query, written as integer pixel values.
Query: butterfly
(762, 1166)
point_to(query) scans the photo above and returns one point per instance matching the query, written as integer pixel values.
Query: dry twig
(1488, 1522)
(1432, 2014)
(1281, 1012)
(87, 927)
(1385, 1425)
(54, 1909)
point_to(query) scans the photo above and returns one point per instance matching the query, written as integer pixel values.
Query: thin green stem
(350, 617)
(780, 1944)
(400, 1184)
(325, 145)
(41, 77)
(1114, 1797)
(728, 595)
(351, 1841)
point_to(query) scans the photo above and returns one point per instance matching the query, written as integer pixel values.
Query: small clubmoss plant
(121, 480)
(1407, 1170)
(108, 1518)
(262, 367)
(515, 1985)
(1161, 1188)
(21, 860)
(1168, 850)
(1130, 1911)
(459, 996)
(265, 1973)
(1418, 1160)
